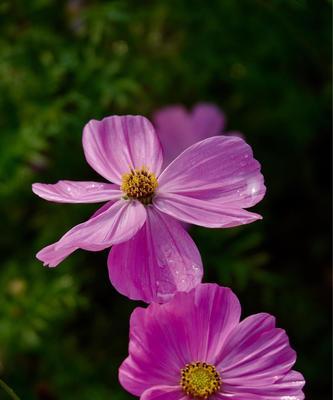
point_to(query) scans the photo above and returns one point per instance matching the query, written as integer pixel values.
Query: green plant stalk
(9, 390)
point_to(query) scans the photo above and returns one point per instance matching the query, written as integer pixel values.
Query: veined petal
(212, 312)
(115, 224)
(164, 393)
(158, 261)
(223, 395)
(77, 192)
(202, 212)
(116, 144)
(51, 256)
(156, 351)
(289, 387)
(256, 353)
(220, 168)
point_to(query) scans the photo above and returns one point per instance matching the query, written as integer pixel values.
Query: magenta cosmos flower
(178, 128)
(195, 347)
(152, 256)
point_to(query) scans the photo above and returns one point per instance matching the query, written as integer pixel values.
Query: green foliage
(63, 332)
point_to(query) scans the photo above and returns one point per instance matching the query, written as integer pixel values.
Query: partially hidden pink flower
(152, 256)
(178, 128)
(195, 347)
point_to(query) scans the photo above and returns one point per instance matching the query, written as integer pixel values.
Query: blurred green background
(266, 63)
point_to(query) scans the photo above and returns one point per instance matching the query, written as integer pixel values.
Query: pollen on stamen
(200, 380)
(139, 184)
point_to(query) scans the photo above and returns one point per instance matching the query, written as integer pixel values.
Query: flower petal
(202, 212)
(117, 223)
(207, 120)
(212, 312)
(164, 393)
(156, 351)
(164, 338)
(288, 387)
(174, 128)
(221, 169)
(256, 353)
(158, 261)
(116, 144)
(77, 192)
(178, 129)
(233, 396)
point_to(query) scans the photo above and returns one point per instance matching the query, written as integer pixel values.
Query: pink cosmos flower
(152, 256)
(195, 347)
(178, 129)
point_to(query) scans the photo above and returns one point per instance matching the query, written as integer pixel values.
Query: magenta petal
(234, 396)
(212, 312)
(158, 261)
(256, 353)
(288, 387)
(164, 393)
(201, 212)
(77, 192)
(207, 120)
(157, 351)
(221, 169)
(51, 256)
(116, 144)
(117, 223)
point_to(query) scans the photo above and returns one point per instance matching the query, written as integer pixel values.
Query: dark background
(266, 63)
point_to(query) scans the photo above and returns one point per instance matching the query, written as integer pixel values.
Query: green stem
(9, 390)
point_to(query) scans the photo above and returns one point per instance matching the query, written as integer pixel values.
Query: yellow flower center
(139, 184)
(200, 380)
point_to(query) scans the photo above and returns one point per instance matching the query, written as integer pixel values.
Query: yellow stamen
(200, 380)
(139, 184)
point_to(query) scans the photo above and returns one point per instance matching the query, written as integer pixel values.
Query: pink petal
(207, 120)
(289, 387)
(158, 261)
(178, 129)
(156, 353)
(77, 192)
(51, 256)
(255, 353)
(234, 396)
(116, 144)
(174, 128)
(119, 222)
(212, 312)
(164, 338)
(221, 169)
(202, 212)
(164, 393)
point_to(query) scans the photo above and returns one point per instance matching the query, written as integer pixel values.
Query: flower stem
(9, 390)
